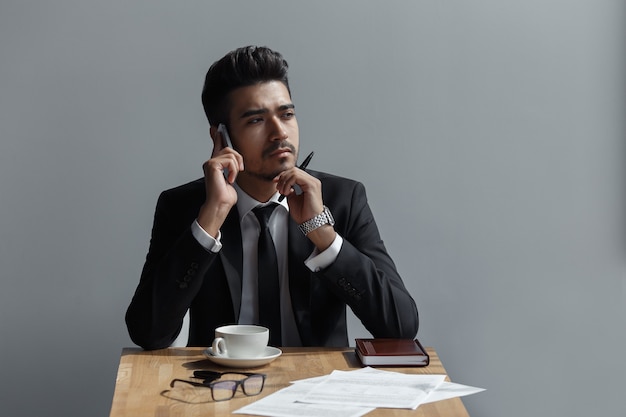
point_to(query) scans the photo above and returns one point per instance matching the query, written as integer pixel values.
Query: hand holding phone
(220, 195)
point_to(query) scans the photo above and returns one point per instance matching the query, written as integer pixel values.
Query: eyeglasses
(224, 390)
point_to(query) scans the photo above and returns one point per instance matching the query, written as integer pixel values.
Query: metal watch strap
(325, 217)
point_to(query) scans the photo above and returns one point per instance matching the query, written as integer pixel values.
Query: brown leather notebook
(405, 352)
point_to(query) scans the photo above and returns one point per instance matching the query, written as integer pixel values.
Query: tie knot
(263, 213)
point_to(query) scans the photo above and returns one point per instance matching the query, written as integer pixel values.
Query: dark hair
(242, 67)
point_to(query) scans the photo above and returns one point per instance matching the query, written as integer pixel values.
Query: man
(203, 251)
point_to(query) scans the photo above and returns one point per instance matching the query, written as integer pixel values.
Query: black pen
(302, 166)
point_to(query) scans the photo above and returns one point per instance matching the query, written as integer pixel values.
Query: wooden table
(142, 385)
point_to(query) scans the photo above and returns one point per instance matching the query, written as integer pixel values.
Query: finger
(226, 165)
(231, 167)
(295, 180)
(230, 152)
(284, 182)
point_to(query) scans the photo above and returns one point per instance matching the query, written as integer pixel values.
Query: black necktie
(269, 288)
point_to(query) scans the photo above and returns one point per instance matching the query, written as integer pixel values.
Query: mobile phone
(221, 128)
(225, 136)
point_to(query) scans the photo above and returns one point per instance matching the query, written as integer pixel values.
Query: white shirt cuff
(320, 260)
(207, 241)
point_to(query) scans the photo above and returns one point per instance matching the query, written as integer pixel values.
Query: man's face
(264, 129)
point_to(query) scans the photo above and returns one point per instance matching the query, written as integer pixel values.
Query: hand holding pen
(302, 166)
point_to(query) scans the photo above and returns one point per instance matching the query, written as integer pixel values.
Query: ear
(213, 133)
(217, 143)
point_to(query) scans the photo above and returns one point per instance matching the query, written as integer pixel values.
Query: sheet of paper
(449, 390)
(288, 401)
(372, 388)
(318, 379)
(283, 404)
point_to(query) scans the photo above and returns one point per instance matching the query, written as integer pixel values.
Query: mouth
(281, 153)
(279, 150)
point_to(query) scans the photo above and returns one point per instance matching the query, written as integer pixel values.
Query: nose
(278, 131)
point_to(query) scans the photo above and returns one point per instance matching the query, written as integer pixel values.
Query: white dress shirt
(250, 229)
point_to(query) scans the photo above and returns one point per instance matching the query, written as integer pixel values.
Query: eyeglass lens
(253, 385)
(225, 390)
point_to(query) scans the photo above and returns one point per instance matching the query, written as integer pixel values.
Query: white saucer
(269, 355)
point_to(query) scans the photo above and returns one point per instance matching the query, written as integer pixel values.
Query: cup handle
(219, 347)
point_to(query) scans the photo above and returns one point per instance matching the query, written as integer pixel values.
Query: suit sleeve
(171, 277)
(365, 276)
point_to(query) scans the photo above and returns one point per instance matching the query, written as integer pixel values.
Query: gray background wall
(490, 136)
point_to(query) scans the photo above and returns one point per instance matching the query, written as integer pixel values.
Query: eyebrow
(254, 112)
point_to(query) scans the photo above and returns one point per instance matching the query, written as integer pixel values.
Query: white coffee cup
(240, 341)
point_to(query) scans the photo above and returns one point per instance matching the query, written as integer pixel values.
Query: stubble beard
(269, 177)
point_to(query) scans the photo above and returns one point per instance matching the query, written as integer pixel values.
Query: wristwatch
(318, 221)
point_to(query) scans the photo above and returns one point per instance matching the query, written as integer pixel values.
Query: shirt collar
(245, 203)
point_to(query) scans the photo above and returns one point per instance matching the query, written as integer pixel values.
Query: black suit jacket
(179, 274)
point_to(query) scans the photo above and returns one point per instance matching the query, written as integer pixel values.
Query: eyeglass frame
(209, 381)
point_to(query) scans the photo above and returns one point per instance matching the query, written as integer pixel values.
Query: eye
(255, 120)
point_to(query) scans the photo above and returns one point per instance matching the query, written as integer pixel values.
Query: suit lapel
(232, 257)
